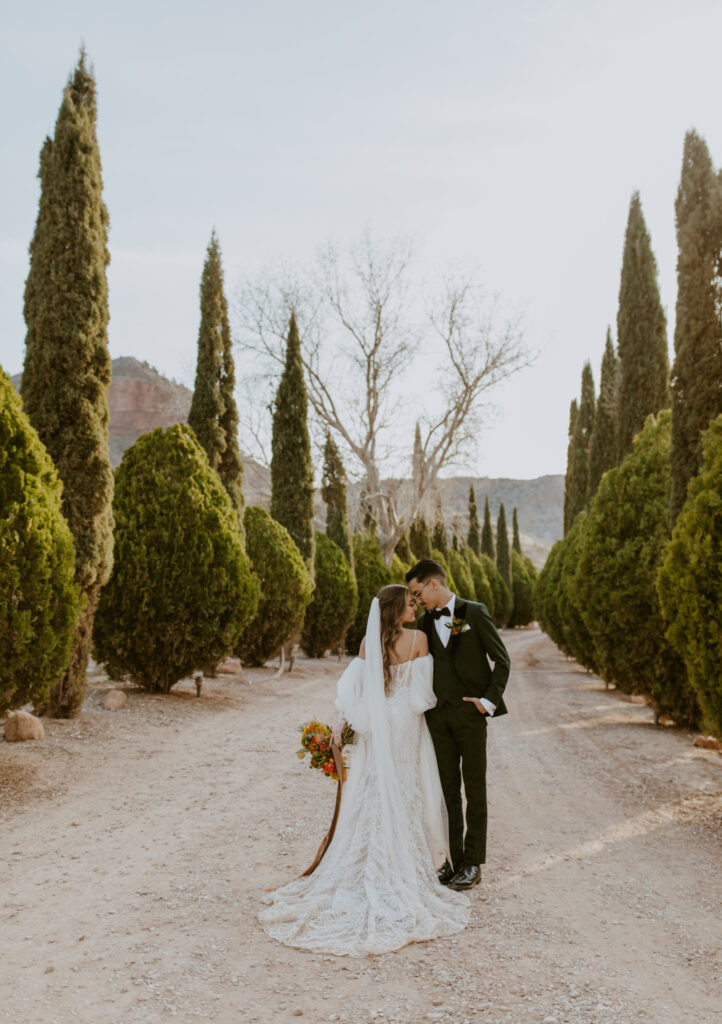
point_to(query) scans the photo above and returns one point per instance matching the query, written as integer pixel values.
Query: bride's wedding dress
(376, 888)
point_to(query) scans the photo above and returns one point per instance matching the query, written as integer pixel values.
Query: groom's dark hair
(426, 569)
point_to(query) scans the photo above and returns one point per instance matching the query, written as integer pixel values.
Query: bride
(376, 888)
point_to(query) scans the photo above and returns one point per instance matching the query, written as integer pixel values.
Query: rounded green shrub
(482, 586)
(39, 598)
(334, 601)
(502, 597)
(286, 588)
(462, 575)
(546, 599)
(577, 641)
(625, 535)
(522, 612)
(689, 582)
(182, 589)
(371, 576)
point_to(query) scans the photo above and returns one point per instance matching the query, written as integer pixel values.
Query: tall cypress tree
(439, 536)
(503, 555)
(568, 477)
(206, 408)
(333, 492)
(487, 534)
(516, 539)
(291, 466)
(420, 538)
(231, 467)
(474, 537)
(581, 444)
(67, 365)
(213, 413)
(697, 372)
(604, 448)
(641, 333)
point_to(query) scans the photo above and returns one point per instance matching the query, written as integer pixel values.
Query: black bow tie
(436, 613)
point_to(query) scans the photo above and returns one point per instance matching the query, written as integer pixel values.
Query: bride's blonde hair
(392, 602)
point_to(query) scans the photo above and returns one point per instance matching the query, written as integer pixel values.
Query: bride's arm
(341, 721)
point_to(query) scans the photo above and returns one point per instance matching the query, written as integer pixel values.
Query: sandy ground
(135, 845)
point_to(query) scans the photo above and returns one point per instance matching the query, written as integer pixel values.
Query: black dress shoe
(465, 877)
(445, 873)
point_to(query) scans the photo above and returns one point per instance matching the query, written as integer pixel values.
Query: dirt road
(134, 846)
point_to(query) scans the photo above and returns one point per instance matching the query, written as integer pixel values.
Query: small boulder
(21, 725)
(115, 700)
(708, 742)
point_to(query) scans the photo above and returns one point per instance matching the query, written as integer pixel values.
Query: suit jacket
(465, 671)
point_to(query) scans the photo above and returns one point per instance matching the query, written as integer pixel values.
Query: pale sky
(509, 134)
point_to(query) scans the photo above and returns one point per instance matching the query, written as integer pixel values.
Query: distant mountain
(141, 399)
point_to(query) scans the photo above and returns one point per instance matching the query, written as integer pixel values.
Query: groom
(462, 639)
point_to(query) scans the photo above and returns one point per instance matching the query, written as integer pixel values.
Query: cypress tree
(568, 481)
(697, 372)
(503, 557)
(206, 408)
(487, 534)
(439, 536)
(67, 365)
(474, 537)
(641, 333)
(213, 414)
(420, 538)
(291, 466)
(417, 465)
(333, 492)
(604, 447)
(231, 466)
(581, 444)
(516, 541)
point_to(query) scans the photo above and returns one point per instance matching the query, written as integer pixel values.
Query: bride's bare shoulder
(421, 643)
(362, 649)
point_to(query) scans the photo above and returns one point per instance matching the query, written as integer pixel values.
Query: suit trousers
(459, 737)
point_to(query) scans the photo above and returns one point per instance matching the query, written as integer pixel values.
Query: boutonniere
(457, 626)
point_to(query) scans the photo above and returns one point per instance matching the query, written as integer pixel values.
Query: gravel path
(134, 846)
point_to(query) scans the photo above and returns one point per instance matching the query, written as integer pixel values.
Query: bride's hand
(336, 737)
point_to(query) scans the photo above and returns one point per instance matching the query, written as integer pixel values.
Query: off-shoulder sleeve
(421, 688)
(349, 694)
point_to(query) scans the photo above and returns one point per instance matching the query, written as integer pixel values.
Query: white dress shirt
(444, 633)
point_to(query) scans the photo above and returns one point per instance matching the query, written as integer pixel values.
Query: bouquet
(316, 741)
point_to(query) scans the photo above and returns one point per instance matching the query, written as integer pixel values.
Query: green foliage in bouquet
(624, 540)
(689, 582)
(482, 586)
(38, 596)
(286, 588)
(371, 576)
(334, 602)
(182, 589)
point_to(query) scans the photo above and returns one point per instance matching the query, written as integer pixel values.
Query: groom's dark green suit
(458, 728)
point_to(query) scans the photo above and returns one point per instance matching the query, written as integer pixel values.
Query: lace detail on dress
(359, 901)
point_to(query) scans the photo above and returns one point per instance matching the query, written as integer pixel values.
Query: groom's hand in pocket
(479, 706)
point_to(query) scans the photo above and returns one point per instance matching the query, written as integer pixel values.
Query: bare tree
(361, 342)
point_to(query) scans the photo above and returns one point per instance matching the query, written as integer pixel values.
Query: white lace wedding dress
(376, 888)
